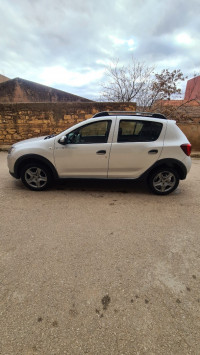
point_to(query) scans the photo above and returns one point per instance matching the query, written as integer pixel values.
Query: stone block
(88, 116)
(11, 131)
(67, 117)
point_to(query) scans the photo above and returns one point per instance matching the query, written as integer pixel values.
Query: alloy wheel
(164, 181)
(36, 177)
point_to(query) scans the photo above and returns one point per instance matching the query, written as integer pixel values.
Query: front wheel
(163, 181)
(36, 177)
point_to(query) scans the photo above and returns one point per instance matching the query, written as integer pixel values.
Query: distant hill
(20, 90)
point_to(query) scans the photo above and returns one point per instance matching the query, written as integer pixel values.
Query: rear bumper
(187, 162)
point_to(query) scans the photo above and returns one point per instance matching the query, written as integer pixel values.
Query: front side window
(96, 132)
(138, 131)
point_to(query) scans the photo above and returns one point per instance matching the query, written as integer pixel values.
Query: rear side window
(138, 131)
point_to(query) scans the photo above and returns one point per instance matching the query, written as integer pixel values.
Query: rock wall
(192, 132)
(187, 116)
(27, 120)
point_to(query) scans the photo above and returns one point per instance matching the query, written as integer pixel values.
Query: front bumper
(13, 175)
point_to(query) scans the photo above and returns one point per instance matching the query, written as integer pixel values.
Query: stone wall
(27, 120)
(187, 116)
(177, 103)
(192, 132)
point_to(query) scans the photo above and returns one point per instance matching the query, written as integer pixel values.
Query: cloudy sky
(66, 44)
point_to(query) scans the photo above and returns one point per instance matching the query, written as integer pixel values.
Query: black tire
(163, 181)
(36, 176)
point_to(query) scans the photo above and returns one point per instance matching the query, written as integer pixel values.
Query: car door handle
(153, 151)
(101, 152)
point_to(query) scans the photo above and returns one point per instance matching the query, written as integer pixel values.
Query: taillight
(186, 148)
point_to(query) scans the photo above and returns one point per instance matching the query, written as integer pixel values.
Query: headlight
(11, 150)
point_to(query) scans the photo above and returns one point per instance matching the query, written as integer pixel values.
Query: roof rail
(130, 113)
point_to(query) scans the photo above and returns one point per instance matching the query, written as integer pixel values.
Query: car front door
(86, 151)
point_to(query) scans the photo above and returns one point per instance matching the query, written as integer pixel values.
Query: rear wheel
(36, 176)
(163, 181)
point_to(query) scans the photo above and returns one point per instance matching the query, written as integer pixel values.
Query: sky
(67, 44)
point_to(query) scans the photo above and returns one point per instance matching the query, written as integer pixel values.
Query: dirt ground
(99, 268)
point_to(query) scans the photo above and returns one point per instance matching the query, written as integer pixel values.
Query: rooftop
(19, 90)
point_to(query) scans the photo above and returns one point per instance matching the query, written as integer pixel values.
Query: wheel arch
(33, 158)
(174, 164)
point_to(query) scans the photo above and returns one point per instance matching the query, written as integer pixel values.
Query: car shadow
(99, 185)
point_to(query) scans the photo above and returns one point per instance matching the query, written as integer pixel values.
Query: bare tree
(125, 83)
(138, 82)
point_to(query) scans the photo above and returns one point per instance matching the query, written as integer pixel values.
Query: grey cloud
(75, 34)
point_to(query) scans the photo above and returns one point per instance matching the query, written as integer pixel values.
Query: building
(3, 78)
(193, 89)
(24, 91)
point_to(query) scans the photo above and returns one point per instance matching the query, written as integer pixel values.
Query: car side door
(86, 150)
(137, 145)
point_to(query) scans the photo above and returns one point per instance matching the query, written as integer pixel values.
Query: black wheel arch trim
(36, 157)
(168, 163)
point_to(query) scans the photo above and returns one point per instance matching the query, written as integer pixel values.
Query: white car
(110, 145)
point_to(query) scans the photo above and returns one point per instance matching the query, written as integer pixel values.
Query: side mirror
(63, 140)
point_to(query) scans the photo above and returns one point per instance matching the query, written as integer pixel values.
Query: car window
(138, 131)
(96, 132)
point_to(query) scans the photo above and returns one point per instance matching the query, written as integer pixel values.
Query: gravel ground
(99, 268)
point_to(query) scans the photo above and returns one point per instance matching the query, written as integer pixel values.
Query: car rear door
(137, 145)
